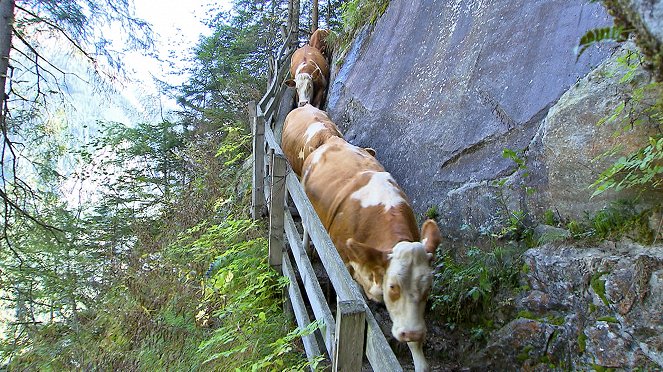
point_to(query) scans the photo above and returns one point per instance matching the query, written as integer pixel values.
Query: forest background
(127, 245)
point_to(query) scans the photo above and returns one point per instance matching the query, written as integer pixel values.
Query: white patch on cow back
(315, 157)
(313, 129)
(380, 190)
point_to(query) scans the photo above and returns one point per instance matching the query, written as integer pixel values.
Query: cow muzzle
(303, 103)
(411, 336)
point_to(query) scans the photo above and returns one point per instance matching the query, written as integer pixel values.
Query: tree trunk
(293, 11)
(314, 16)
(6, 22)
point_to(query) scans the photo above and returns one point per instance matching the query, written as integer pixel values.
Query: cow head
(303, 83)
(405, 284)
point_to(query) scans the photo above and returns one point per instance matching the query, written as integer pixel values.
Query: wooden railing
(353, 332)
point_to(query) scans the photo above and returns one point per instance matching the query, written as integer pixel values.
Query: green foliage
(601, 35)
(549, 218)
(120, 284)
(642, 168)
(515, 224)
(582, 342)
(357, 13)
(517, 158)
(465, 291)
(241, 299)
(620, 218)
(608, 319)
(432, 212)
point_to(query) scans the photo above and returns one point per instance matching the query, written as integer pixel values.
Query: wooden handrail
(273, 179)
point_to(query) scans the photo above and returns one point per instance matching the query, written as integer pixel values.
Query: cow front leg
(417, 350)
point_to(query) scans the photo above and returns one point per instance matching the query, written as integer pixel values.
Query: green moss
(524, 354)
(527, 315)
(598, 285)
(609, 319)
(599, 368)
(357, 13)
(592, 308)
(582, 342)
(556, 320)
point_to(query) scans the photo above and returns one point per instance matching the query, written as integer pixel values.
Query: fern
(600, 35)
(643, 167)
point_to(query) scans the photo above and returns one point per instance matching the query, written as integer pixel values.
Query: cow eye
(394, 292)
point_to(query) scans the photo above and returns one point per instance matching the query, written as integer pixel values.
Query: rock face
(441, 88)
(586, 307)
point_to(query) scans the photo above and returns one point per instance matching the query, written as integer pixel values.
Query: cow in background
(375, 232)
(309, 72)
(319, 42)
(305, 129)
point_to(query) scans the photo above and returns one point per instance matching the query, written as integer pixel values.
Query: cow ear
(430, 236)
(370, 151)
(360, 252)
(290, 83)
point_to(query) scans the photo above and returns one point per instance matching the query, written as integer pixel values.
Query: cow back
(304, 130)
(356, 198)
(318, 41)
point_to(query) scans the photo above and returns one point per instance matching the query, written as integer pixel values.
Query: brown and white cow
(305, 129)
(373, 227)
(309, 74)
(319, 42)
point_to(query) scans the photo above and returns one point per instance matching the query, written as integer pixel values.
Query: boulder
(572, 143)
(585, 306)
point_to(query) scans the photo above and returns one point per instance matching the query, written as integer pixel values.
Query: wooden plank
(276, 206)
(346, 288)
(314, 293)
(349, 346)
(257, 195)
(306, 242)
(268, 101)
(378, 351)
(299, 308)
(271, 141)
(267, 174)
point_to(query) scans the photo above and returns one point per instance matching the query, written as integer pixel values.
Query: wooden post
(276, 207)
(349, 343)
(258, 195)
